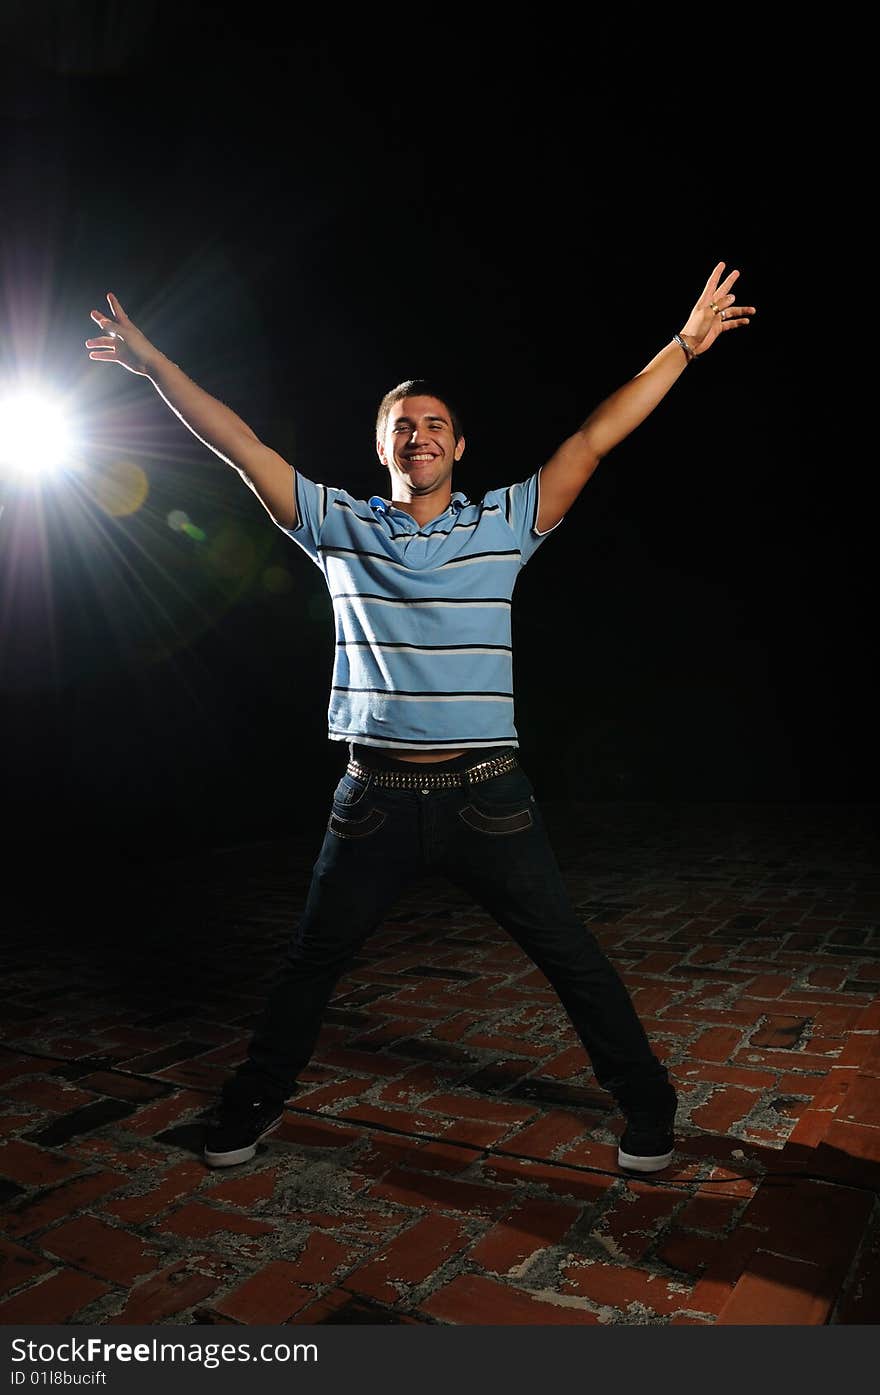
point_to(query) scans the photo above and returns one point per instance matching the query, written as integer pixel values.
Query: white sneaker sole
(635, 1162)
(239, 1155)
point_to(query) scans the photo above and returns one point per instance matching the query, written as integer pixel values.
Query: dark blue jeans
(488, 838)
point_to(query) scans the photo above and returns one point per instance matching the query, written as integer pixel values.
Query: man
(422, 692)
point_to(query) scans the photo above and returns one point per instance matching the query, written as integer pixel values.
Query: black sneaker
(233, 1135)
(648, 1141)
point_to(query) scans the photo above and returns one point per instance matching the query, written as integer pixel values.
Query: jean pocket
(356, 824)
(350, 791)
(495, 821)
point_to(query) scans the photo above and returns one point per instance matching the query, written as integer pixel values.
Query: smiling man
(422, 693)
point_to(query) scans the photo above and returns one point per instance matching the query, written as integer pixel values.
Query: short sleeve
(520, 504)
(312, 502)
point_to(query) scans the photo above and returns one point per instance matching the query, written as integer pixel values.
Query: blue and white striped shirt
(423, 613)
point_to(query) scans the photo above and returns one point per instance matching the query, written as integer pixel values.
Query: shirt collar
(457, 502)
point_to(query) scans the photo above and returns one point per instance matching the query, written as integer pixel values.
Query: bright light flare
(35, 436)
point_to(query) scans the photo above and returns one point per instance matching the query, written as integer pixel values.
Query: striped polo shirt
(422, 612)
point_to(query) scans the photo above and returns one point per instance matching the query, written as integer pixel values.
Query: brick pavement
(448, 1158)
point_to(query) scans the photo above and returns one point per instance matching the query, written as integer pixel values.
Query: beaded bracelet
(689, 353)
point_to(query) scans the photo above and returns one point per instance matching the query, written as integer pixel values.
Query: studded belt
(441, 779)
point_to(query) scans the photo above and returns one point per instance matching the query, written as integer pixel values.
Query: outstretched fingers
(737, 315)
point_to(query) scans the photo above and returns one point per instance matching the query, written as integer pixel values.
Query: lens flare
(121, 488)
(35, 438)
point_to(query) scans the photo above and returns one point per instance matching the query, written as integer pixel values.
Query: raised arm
(214, 424)
(567, 471)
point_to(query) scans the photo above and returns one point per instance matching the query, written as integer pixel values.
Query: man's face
(419, 445)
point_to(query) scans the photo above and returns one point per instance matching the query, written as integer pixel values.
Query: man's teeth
(420, 457)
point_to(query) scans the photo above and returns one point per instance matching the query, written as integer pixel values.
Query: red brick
(474, 1301)
(869, 1019)
(439, 1157)
(456, 1027)
(271, 1296)
(556, 1130)
(196, 1074)
(842, 1004)
(409, 1258)
(723, 1181)
(779, 1031)
(728, 1075)
(557, 1178)
(18, 1265)
(639, 1212)
(332, 1096)
(769, 986)
(861, 1049)
(617, 1287)
(103, 1250)
(779, 1292)
(440, 1193)
(572, 1061)
(861, 1302)
(153, 1118)
(476, 1133)
(588, 1153)
(796, 1084)
(862, 1102)
(725, 1108)
(35, 1167)
(136, 1038)
(121, 1087)
(244, 1191)
(13, 1066)
(412, 1085)
(71, 1048)
(720, 1017)
(195, 1221)
(381, 1153)
(707, 954)
(713, 1290)
(689, 1253)
(338, 1305)
(782, 1060)
(322, 1258)
(170, 1291)
(48, 1094)
(231, 1054)
(657, 962)
(488, 1111)
(64, 1200)
(313, 1133)
(57, 1299)
(810, 1221)
(850, 1152)
(653, 999)
(11, 1123)
(715, 1045)
(827, 978)
(528, 1231)
(707, 1212)
(669, 1027)
(101, 1150)
(370, 1062)
(530, 1049)
(811, 1128)
(179, 1181)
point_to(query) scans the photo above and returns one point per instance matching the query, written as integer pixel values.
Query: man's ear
(380, 451)
(459, 448)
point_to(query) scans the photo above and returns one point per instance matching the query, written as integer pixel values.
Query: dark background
(302, 216)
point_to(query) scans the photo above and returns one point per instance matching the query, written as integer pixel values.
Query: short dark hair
(417, 387)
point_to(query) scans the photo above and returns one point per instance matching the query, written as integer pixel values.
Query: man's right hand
(122, 342)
